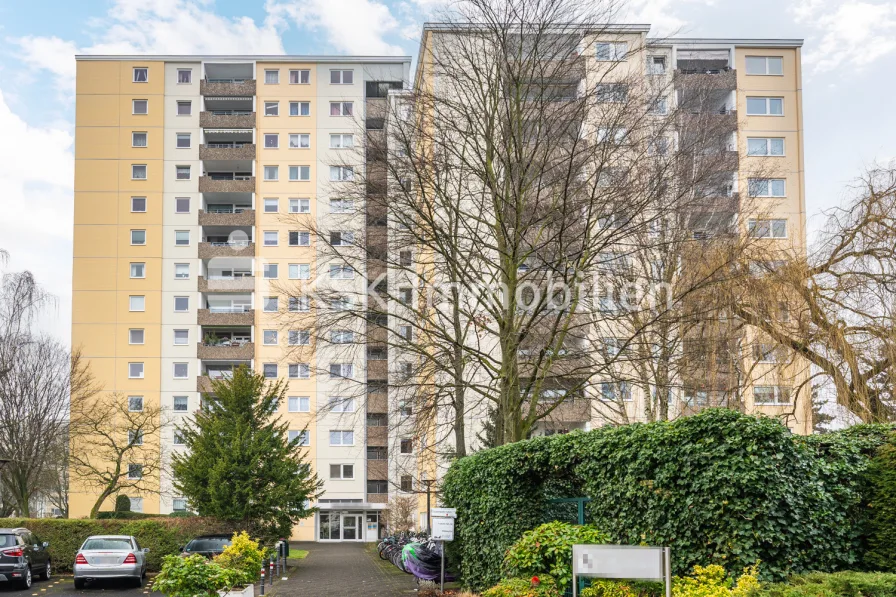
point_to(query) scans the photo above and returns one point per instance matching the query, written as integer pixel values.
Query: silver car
(110, 556)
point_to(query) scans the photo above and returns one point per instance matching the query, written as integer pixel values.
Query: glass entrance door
(352, 529)
(329, 527)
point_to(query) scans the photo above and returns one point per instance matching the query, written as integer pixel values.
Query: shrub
(122, 503)
(244, 556)
(194, 576)
(534, 586)
(838, 584)
(162, 535)
(882, 503)
(713, 581)
(718, 488)
(548, 548)
(618, 588)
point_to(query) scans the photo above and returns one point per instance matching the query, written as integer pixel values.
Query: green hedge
(163, 536)
(882, 532)
(839, 584)
(719, 488)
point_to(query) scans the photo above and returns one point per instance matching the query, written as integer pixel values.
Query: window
(615, 135)
(181, 304)
(771, 395)
(340, 173)
(178, 438)
(299, 304)
(140, 106)
(270, 271)
(138, 237)
(181, 403)
(271, 140)
(135, 471)
(773, 146)
(341, 370)
(342, 471)
(298, 404)
(272, 173)
(270, 370)
(341, 206)
(299, 338)
(342, 141)
(138, 171)
(765, 353)
(659, 106)
(181, 370)
(405, 295)
(271, 77)
(181, 205)
(302, 438)
(766, 187)
(135, 437)
(272, 108)
(765, 106)
(135, 370)
(342, 438)
(299, 371)
(182, 172)
(136, 303)
(270, 337)
(341, 77)
(137, 503)
(342, 238)
(177, 504)
(138, 270)
(299, 77)
(184, 108)
(300, 173)
(765, 65)
(270, 238)
(341, 272)
(767, 228)
(611, 92)
(611, 51)
(181, 271)
(339, 404)
(181, 337)
(656, 65)
(135, 404)
(407, 483)
(138, 204)
(299, 141)
(183, 141)
(613, 391)
(405, 332)
(407, 446)
(181, 238)
(299, 271)
(135, 336)
(342, 337)
(299, 206)
(300, 108)
(184, 76)
(299, 238)
(138, 139)
(340, 108)
(271, 304)
(141, 74)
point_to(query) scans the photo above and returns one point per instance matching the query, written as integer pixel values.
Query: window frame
(181, 266)
(177, 241)
(299, 77)
(177, 201)
(275, 137)
(753, 223)
(341, 76)
(136, 211)
(276, 171)
(769, 192)
(134, 107)
(145, 70)
(766, 62)
(145, 171)
(342, 476)
(299, 170)
(180, 169)
(342, 433)
(188, 104)
(299, 205)
(272, 71)
(613, 51)
(342, 112)
(270, 238)
(299, 138)
(145, 139)
(186, 337)
(276, 107)
(174, 367)
(299, 106)
(131, 303)
(131, 404)
(131, 336)
(142, 265)
(142, 374)
(187, 310)
(300, 401)
(768, 147)
(189, 72)
(767, 99)
(138, 244)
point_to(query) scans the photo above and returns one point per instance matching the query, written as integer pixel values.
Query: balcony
(233, 217)
(227, 150)
(377, 436)
(708, 79)
(377, 469)
(241, 351)
(233, 248)
(377, 498)
(225, 316)
(228, 87)
(571, 410)
(220, 283)
(226, 182)
(227, 119)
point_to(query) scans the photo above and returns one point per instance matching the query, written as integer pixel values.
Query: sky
(849, 81)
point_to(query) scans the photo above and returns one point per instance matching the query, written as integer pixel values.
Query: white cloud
(849, 32)
(350, 26)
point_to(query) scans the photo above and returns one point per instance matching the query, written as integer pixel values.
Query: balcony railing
(229, 144)
(226, 210)
(228, 176)
(231, 243)
(232, 309)
(228, 80)
(231, 112)
(233, 277)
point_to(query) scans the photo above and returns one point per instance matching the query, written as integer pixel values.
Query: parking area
(64, 586)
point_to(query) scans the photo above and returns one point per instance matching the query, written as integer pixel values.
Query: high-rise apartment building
(192, 173)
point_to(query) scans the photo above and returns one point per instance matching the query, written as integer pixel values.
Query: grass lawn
(298, 554)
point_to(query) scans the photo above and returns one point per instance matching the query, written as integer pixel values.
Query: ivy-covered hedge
(163, 536)
(882, 526)
(719, 488)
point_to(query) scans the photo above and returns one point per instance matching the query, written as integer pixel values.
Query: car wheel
(47, 571)
(26, 582)
(79, 583)
(139, 582)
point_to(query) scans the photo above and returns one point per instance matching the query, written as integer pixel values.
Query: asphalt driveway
(64, 586)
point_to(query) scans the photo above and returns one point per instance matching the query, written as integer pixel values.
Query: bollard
(262, 578)
(271, 564)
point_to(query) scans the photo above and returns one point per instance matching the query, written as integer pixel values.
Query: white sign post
(629, 562)
(443, 530)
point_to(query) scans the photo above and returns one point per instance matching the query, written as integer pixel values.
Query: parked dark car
(207, 545)
(23, 555)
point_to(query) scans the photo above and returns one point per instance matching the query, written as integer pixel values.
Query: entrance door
(352, 527)
(329, 526)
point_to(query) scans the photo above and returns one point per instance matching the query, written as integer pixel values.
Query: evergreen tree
(239, 464)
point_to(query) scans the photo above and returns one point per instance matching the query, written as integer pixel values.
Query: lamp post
(428, 483)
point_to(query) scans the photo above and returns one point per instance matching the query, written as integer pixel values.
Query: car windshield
(7, 541)
(208, 544)
(107, 543)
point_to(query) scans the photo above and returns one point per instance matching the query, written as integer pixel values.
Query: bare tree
(400, 513)
(836, 307)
